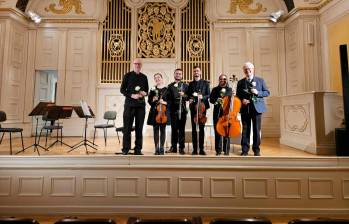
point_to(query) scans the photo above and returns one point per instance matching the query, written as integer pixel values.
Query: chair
(241, 221)
(50, 126)
(13, 220)
(9, 130)
(109, 116)
(194, 220)
(319, 221)
(75, 220)
(121, 129)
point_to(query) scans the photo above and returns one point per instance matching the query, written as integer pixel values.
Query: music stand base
(36, 148)
(83, 143)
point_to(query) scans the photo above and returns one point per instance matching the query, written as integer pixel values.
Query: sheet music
(85, 108)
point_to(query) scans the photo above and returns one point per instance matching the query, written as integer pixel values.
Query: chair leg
(22, 141)
(10, 143)
(39, 136)
(105, 136)
(94, 136)
(117, 133)
(46, 137)
(62, 136)
(2, 137)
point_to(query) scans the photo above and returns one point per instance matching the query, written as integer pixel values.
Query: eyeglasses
(222, 79)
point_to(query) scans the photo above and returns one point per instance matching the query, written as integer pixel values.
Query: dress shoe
(171, 150)
(138, 153)
(156, 152)
(194, 152)
(244, 154)
(218, 153)
(202, 152)
(124, 153)
(181, 151)
(257, 154)
(226, 153)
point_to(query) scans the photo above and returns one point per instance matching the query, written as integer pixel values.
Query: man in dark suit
(251, 90)
(198, 90)
(134, 87)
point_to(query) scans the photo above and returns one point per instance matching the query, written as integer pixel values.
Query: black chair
(194, 220)
(50, 125)
(13, 220)
(121, 129)
(109, 116)
(241, 221)
(9, 130)
(319, 221)
(76, 220)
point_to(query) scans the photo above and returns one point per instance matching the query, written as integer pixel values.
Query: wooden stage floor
(270, 147)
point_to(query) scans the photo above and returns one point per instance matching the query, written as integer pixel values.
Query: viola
(228, 124)
(161, 117)
(200, 113)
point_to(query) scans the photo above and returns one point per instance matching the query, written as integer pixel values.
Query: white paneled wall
(14, 71)
(262, 46)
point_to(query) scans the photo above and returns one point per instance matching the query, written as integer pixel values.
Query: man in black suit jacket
(251, 90)
(198, 90)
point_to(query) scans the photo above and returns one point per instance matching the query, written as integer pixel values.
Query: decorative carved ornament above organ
(156, 31)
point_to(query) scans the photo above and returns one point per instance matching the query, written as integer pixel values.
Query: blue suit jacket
(243, 92)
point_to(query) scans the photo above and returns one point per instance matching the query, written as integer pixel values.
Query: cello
(228, 124)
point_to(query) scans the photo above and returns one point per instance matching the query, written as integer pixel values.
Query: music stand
(56, 113)
(86, 114)
(40, 109)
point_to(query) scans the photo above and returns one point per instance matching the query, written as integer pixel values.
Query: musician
(178, 111)
(216, 98)
(251, 90)
(157, 98)
(198, 90)
(134, 87)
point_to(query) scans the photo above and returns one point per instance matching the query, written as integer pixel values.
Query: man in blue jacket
(251, 90)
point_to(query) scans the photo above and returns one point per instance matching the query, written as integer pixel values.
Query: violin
(228, 124)
(200, 116)
(161, 117)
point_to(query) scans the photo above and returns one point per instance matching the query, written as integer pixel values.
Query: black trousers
(159, 131)
(194, 133)
(218, 140)
(178, 130)
(130, 114)
(246, 119)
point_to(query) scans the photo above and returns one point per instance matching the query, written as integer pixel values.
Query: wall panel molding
(179, 185)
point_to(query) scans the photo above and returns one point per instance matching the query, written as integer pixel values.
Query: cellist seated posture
(198, 93)
(216, 98)
(157, 115)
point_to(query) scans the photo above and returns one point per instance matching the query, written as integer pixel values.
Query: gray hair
(248, 65)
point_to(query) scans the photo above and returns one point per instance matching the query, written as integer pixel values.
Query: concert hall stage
(104, 183)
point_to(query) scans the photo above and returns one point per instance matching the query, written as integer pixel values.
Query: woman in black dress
(157, 97)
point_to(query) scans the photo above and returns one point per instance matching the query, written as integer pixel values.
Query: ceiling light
(275, 16)
(35, 17)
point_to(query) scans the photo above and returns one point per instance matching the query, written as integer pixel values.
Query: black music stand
(40, 109)
(80, 112)
(56, 113)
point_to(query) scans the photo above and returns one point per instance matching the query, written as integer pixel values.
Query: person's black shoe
(244, 154)
(257, 154)
(181, 151)
(156, 152)
(124, 153)
(226, 153)
(171, 150)
(218, 153)
(194, 152)
(139, 153)
(202, 152)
